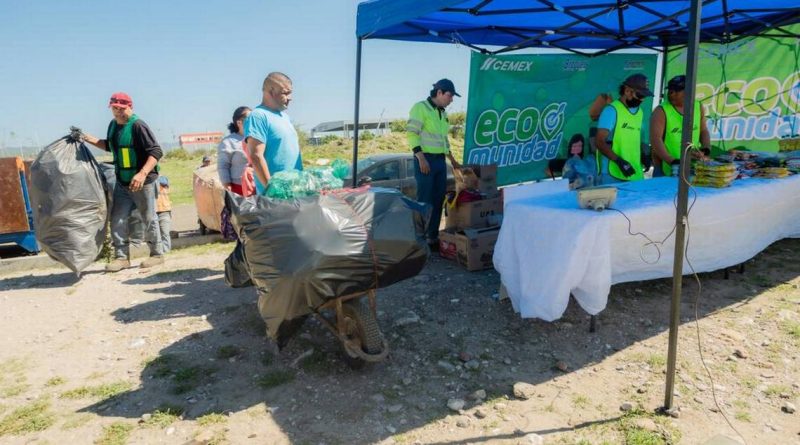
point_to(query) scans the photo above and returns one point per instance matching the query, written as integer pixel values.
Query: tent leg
(593, 324)
(683, 199)
(356, 110)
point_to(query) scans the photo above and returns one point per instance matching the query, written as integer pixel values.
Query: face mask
(634, 102)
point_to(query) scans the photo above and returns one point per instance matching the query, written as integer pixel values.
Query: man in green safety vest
(619, 133)
(136, 153)
(666, 125)
(427, 131)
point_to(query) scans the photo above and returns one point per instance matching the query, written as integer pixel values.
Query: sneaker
(117, 265)
(152, 261)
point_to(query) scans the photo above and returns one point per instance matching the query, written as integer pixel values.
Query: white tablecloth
(549, 248)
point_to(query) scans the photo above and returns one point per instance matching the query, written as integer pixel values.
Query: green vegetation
(12, 377)
(35, 416)
(55, 381)
(189, 378)
(275, 378)
(211, 419)
(115, 434)
(580, 401)
(316, 363)
(228, 351)
(164, 416)
(104, 391)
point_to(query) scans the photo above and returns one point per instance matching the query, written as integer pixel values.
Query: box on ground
(471, 248)
(487, 179)
(475, 214)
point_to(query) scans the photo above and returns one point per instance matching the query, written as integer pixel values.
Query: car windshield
(365, 163)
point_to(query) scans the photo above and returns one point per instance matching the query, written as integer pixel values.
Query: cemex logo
(494, 64)
(678, 130)
(624, 125)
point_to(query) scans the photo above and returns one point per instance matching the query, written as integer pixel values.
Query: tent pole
(664, 61)
(683, 196)
(356, 110)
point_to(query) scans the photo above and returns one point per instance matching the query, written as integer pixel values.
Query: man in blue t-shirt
(271, 138)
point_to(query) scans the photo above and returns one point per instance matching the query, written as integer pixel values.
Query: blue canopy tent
(500, 26)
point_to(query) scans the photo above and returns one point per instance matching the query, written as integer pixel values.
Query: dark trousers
(431, 189)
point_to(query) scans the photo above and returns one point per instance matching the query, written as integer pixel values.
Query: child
(164, 212)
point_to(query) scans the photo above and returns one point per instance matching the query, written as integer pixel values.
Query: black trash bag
(303, 252)
(70, 211)
(237, 274)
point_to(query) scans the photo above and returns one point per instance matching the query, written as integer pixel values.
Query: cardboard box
(487, 179)
(472, 248)
(474, 215)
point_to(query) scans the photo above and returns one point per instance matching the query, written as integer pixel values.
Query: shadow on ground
(314, 397)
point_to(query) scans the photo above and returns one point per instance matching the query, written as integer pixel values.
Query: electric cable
(697, 312)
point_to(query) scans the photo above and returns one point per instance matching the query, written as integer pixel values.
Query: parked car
(394, 171)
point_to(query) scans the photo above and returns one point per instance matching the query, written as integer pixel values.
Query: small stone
(500, 406)
(146, 417)
(507, 361)
(446, 366)
(378, 398)
(138, 343)
(407, 381)
(534, 439)
(480, 413)
(641, 390)
(675, 413)
(785, 395)
(562, 366)
(524, 391)
(192, 400)
(462, 422)
(456, 404)
(465, 357)
(204, 317)
(740, 353)
(170, 431)
(407, 319)
(391, 429)
(394, 408)
(478, 395)
(626, 406)
(472, 365)
(788, 407)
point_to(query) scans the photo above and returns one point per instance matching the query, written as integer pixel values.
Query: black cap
(447, 86)
(677, 83)
(639, 83)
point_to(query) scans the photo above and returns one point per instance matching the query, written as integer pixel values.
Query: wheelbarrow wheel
(362, 329)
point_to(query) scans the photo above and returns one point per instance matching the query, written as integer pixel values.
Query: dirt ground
(174, 356)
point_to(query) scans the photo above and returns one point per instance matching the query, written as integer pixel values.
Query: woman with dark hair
(580, 172)
(231, 158)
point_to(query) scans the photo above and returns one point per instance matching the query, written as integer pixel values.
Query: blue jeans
(145, 202)
(431, 189)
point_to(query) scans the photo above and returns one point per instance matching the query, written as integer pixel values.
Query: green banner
(523, 109)
(749, 89)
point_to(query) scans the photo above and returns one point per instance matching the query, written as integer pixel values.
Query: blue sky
(189, 64)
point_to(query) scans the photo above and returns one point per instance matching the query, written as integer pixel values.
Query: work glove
(75, 134)
(625, 166)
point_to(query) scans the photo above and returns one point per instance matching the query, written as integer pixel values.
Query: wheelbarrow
(356, 326)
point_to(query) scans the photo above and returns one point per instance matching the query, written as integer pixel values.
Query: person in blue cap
(164, 212)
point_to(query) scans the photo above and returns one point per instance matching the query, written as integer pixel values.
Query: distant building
(197, 140)
(345, 128)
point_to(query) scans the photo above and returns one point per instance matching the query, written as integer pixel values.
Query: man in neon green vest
(619, 133)
(426, 132)
(666, 126)
(136, 154)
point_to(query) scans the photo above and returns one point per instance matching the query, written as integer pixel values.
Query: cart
(356, 327)
(16, 214)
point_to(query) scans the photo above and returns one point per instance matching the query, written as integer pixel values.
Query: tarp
(523, 109)
(566, 24)
(749, 89)
(305, 251)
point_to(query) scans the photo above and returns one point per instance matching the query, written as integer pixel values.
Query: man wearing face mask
(666, 125)
(619, 133)
(271, 137)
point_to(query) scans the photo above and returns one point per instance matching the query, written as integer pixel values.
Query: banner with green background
(523, 109)
(749, 89)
